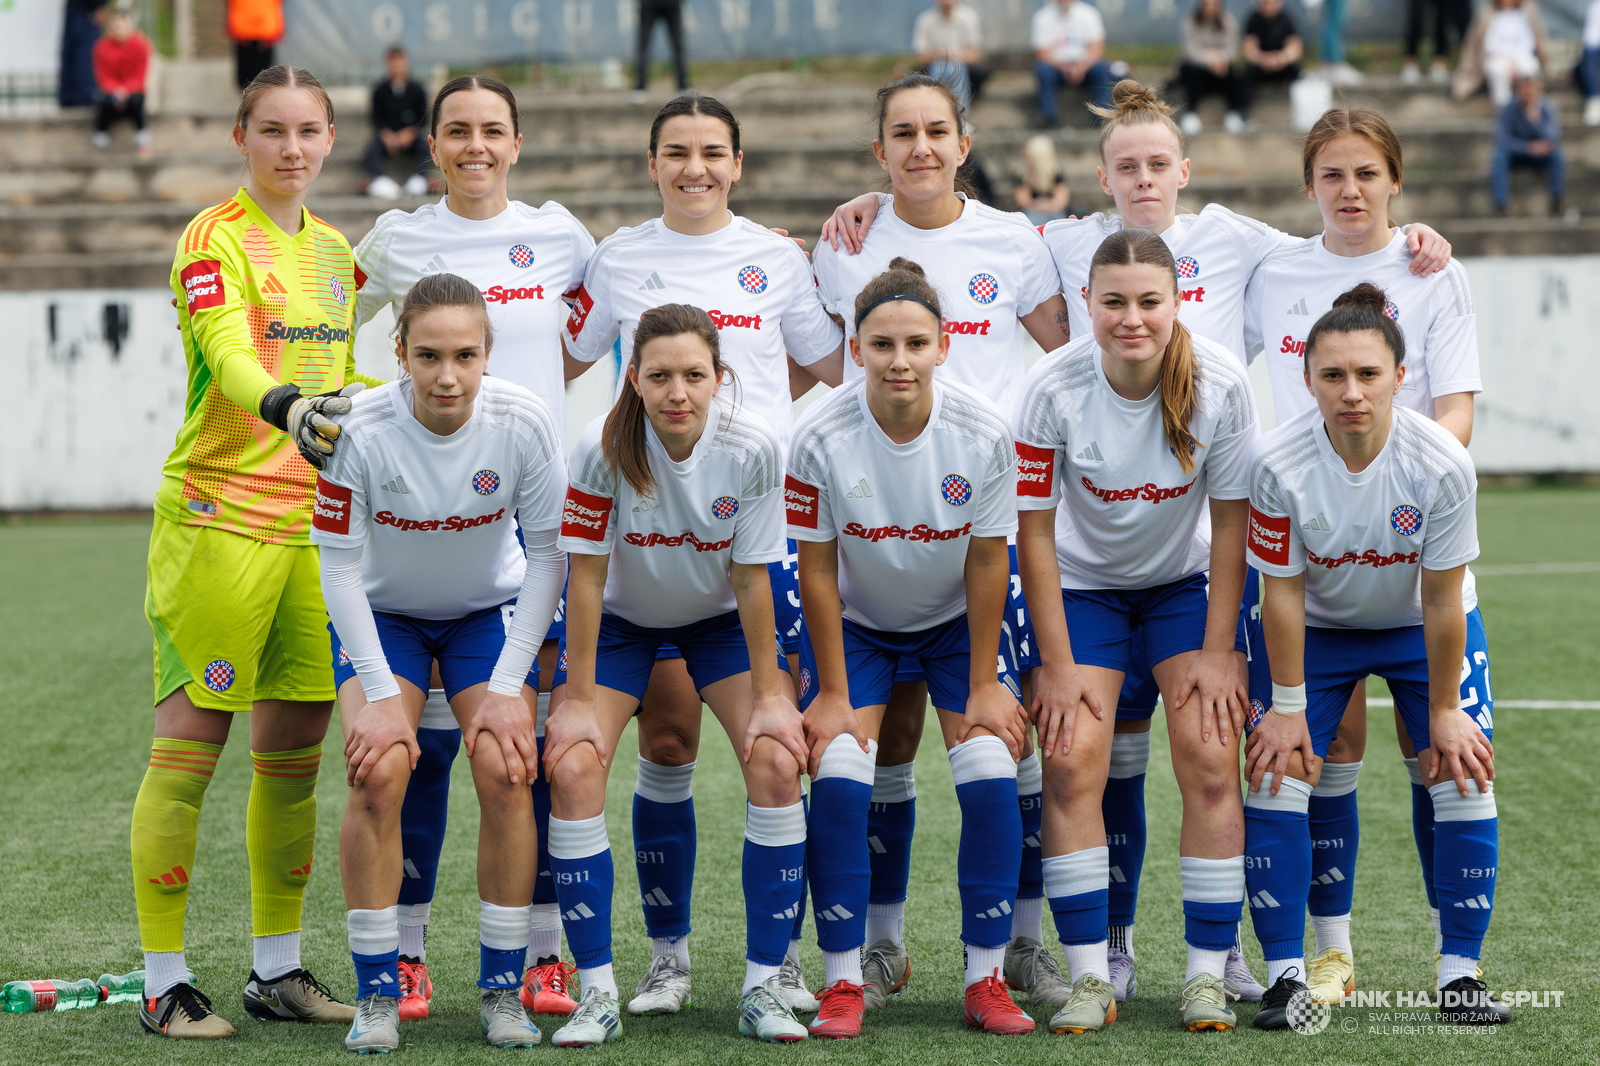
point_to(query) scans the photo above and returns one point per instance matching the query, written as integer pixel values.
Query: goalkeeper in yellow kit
(266, 297)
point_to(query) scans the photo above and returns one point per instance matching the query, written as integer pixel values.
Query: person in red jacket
(121, 58)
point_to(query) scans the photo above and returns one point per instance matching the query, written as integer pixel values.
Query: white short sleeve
(1272, 542)
(543, 484)
(1452, 532)
(339, 510)
(373, 288)
(808, 333)
(997, 503)
(592, 325)
(1452, 343)
(1040, 279)
(1040, 443)
(1254, 294)
(587, 526)
(1233, 446)
(758, 534)
(807, 506)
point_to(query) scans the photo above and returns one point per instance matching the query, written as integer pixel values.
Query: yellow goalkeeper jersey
(257, 308)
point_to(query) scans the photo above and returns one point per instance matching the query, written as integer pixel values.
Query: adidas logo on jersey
(652, 282)
(647, 504)
(860, 492)
(1091, 454)
(435, 265)
(396, 485)
(1318, 524)
(1300, 308)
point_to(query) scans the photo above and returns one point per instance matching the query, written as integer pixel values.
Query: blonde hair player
(1352, 167)
(1362, 522)
(1141, 428)
(427, 576)
(756, 288)
(263, 292)
(902, 492)
(674, 511)
(527, 261)
(995, 280)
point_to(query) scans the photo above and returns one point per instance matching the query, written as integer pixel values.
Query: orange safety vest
(255, 20)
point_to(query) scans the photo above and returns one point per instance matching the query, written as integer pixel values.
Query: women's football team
(817, 582)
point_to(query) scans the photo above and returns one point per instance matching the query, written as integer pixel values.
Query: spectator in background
(1042, 192)
(651, 12)
(1272, 51)
(1446, 14)
(79, 31)
(949, 42)
(1587, 74)
(1507, 40)
(121, 59)
(1528, 136)
(255, 27)
(1210, 39)
(1334, 68)
(399, 128)
(1069, 48)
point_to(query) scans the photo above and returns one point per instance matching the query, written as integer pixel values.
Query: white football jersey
(753, 283)
(524, 260)
(902, 513)
(1297, 285)
(1216, 252)
(1362, 539)
(671, 550)
(1137, 518)
(436, 512)
(989, 268)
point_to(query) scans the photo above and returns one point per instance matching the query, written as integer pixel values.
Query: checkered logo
(1390, 311)
(338, 290)
(219, 675)
(484, 482)
(1306, 1014)
(805, 681)
(1188, 267)
(1257, 709)
(562, 665)
(521, 256)
(753, 279)
(957, 490)
(1405, 520)
(724, 507)
(344, 656)
(983, 288)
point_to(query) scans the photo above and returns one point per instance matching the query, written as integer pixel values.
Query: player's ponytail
(435, 291)
(1134, 104)
(1180, 370)
(1365, 308)
(622, 439)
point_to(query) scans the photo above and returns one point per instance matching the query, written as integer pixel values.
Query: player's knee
(773, 764)
(383, 790)
(579, 767)
(671, 746)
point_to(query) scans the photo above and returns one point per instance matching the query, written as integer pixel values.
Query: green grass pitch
(75, 675)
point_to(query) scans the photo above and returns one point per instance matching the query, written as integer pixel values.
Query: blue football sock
(424, 812)
(1076, 884)
(1122, 807)
(664, 845)
(375, 950)
(502, 945)
(1030, 804)
(1422, 828)
(773, 875)
(990, 853)
(1466, 854)
(891, 821)
(1335, 836)
(580, 860)
(544, 886)
(800, 915)
(836, 844)
(1277, 847)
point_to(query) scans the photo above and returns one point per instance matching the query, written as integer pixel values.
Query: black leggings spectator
(651, 12)
(1446, 14)
(1200, 82)
(131, 108)
(1252, 78)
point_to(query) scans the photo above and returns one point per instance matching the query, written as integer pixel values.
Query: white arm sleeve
(536, 606)
(345, 594)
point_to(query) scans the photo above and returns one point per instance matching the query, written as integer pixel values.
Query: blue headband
(880, 301)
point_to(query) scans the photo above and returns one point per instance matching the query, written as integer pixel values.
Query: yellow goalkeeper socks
(280, 831)
(166, 822)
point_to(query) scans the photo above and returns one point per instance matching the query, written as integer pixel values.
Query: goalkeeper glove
(306, 420)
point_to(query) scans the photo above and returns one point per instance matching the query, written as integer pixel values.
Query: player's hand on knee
(509, 721)
(574, 722)
(829, 716)
(1459, 750)
(1213, 678)
(777, 717)
(1059, 689)
(379, 726)
(1275, 738)
(991, 706)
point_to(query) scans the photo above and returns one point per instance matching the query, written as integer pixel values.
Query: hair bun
(902, 263)
(1130, 95)
(1365, 294)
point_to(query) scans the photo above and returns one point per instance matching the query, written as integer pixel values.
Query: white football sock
(886, 921)
(1087, 958)
(842, 966)
(793, 954)
(756, 974)
(599, 977)
(1205, 961)
(276, 955)
(1276, 968)
(413, 919)
(544, 935)
(163, 970)
(983, 962)
(1333, 931)
(675, 948)
(1453, 967)
(1027, 919)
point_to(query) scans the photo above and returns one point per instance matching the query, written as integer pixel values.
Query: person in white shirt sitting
(948, 40)
(1069, 46)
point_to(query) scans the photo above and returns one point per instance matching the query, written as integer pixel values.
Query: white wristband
(1288, 699)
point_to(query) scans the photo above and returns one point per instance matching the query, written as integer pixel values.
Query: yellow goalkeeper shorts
(235, 620)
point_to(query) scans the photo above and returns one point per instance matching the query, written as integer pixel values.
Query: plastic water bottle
(128, 988)
(20, 997)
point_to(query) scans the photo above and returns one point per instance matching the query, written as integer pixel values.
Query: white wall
(89, 427)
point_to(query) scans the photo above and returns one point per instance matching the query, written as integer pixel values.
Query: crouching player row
(1362, 522)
